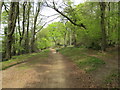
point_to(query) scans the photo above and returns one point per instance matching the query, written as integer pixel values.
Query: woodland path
(54, 72)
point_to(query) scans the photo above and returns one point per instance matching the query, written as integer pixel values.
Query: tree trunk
(23, 25)
(104, 42)
(70, 38)
(108, 24)
(34, 28)
(19, 28)
(74, 38)
(11, 27)
(65, 39)
(27, 33)
(119, 23)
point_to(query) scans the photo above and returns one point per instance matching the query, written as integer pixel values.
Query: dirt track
(52, 72)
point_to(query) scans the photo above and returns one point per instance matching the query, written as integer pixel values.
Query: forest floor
(53, 71)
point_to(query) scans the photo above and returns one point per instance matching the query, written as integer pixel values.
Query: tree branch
(45, 24)
(74, 23)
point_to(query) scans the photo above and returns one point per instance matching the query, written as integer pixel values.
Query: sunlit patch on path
(53, 50)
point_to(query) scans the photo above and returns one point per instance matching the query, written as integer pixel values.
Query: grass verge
(90, 63)
(82, 60)
(22, 58)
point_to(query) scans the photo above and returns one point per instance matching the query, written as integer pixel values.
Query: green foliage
(89, 14)
(51, 35)
(91, 37)
(43, 40)
(56, 30)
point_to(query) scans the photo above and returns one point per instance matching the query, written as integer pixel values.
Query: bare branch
(45, 24)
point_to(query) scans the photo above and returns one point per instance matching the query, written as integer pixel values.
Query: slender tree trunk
(74, 38)
(27, 33)
(31, 35)
(34, 28)
(11, 27)
(23, 25)
(119, 24)
(70, 38)
(108, 19)
(108, 22)
(65, 39)
(103, 29)
(19, 29)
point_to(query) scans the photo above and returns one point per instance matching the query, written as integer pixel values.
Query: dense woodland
(92, 25)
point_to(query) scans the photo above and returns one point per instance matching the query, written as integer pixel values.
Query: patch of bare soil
(52, 72)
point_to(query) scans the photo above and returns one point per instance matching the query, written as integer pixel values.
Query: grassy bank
(22, 58)
(81, 57)
(101, 65)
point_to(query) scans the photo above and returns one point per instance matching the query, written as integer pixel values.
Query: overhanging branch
(74, 23)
